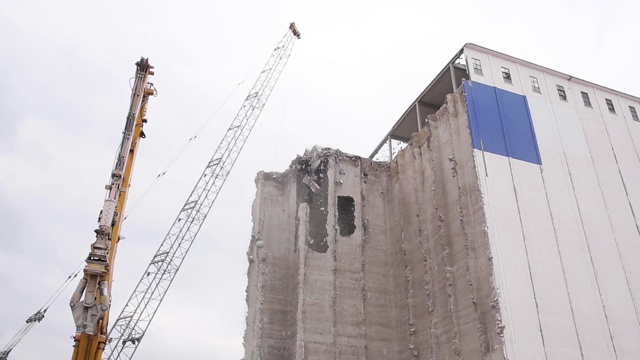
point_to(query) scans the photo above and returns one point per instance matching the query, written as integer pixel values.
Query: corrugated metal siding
(564, 229)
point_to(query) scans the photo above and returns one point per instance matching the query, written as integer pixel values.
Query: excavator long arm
(91, 300)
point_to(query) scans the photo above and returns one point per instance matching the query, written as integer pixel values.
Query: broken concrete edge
(424, 137)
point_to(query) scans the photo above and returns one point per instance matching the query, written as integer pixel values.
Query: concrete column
(453, 76)
(418, 116)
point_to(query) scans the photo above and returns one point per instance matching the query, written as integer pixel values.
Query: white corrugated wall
(564, 234)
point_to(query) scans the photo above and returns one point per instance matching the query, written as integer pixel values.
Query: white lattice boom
(130, 327)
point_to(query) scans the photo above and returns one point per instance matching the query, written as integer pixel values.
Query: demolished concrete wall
(355, 259)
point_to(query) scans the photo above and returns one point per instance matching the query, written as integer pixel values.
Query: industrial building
(497, 219)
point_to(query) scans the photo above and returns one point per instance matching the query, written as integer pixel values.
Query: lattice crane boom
(130, 327)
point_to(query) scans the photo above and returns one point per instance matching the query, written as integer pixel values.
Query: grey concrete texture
(355, 259)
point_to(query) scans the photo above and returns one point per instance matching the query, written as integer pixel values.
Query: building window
(610, 106)
(535, 85)
(561, 93)
(477, 66)
(634, 113)
(506, 75)
(585, 99)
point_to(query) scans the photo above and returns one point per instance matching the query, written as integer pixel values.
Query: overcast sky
(64, 93)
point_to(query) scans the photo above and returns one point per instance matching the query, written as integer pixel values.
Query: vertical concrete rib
(413, 250)
(333, 250)
(400, 304)
(362, 220)
(301, 319)
(379, 287)
(472, 219)
(425, 224)
(469, 334)
(443, 321)
(349, 312)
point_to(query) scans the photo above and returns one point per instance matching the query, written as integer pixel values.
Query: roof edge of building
(548, 70)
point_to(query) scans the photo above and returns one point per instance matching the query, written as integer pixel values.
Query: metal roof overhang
(434, 96)
(428, 102)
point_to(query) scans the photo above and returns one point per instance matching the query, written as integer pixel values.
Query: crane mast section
(131, 326)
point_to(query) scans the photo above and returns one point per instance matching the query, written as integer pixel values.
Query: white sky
(64, 92)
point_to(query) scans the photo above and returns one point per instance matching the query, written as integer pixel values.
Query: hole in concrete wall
(346, 215)
(312, 189)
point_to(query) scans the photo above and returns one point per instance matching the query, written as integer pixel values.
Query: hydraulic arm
(92, 298)
(130, 327)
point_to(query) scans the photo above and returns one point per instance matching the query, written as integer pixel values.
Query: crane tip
(294, 29)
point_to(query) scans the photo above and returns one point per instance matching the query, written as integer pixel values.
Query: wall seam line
(564, 275)
(524, 238)
(584, 231)
(365, 231)
(613, 230)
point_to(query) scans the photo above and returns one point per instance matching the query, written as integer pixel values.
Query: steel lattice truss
(130, 327)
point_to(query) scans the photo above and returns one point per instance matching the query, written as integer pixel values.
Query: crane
(91, 299)
(132, 323)
(29, 324)
(37, 317)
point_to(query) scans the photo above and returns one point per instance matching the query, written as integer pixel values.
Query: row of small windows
(587, 102)
(535, 87)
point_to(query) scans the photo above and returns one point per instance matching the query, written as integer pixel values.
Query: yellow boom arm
(91, 300)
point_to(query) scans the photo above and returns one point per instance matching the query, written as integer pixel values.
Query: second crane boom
(131, 326)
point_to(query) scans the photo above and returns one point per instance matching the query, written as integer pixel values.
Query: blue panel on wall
(500, 122)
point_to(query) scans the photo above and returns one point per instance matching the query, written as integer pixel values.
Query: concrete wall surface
(354, 259)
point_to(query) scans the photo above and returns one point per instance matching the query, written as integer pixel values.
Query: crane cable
(62, 287)
(206, 278)
(184, 147)
(177, 156)
(284, 108)
(39, 315)
(292, 77)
